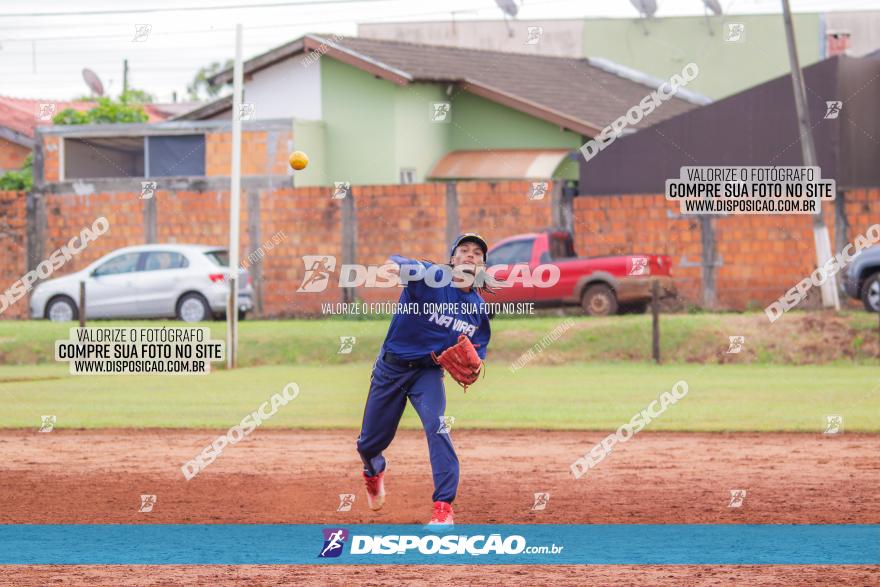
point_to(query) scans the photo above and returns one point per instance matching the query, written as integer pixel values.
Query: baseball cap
(470, 237)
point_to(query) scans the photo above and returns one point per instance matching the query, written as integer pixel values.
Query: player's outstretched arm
(410, 271)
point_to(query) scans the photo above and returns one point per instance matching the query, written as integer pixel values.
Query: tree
(133, 96)
(19, 180)
(200, 83)
(105, 111)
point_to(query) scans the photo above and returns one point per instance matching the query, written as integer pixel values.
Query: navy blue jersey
(413, 335)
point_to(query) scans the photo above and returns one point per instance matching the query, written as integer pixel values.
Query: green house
(371, 111)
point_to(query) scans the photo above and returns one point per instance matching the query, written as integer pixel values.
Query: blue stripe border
(601, 544)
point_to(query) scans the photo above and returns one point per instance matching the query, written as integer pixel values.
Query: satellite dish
(646, 8)
(714, 6)
(93, 81)
(508, 7)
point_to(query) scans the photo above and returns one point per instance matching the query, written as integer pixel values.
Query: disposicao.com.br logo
(447, 544)
(319, 268)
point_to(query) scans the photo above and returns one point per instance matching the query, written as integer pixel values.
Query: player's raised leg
(385, 404)
(428, 397)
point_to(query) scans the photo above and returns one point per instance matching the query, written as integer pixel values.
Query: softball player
(406, 368)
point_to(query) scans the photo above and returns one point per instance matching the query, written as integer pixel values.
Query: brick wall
(13, 247)
(311, 220)
(410, 220)
(260, 155)
(51, 160)
(762, 255)
(500, 210)
(68, 214)
(616, 225)
(12, 155)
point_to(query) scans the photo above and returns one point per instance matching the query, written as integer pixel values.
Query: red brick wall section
(633, 224)
(255, 153)
(12, 155)
(407, 220)
(51, 161)
(68, 214)
(13, 248)
(410, 220)
(500, 210)
(310, 219)
(862, 210)
(762, 256)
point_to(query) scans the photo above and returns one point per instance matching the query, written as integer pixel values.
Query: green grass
(595, 376)
(798, 338)
(574, 396)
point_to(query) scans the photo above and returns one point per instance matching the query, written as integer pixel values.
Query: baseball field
(783, 430)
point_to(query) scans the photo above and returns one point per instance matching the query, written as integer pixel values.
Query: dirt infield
(427, 576)
(296, 476)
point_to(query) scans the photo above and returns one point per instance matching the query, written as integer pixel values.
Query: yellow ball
(298, 160)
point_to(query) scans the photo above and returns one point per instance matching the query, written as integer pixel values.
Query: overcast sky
(43, 56)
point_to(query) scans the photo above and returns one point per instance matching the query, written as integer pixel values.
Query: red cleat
(375, 490)
(443, 514)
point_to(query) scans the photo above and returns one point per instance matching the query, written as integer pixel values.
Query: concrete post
(452, 226)
(255, 239)
(349, 239)
(708, 264)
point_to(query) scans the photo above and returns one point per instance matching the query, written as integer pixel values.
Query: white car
(189, 282)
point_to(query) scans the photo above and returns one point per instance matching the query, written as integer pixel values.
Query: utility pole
(234, 206)
(830, 298)
(124, 76)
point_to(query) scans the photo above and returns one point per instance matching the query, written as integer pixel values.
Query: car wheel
(599, 300)
(192, 307)
(871, 293)
(61, 309)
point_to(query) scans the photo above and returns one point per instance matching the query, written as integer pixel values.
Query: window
(150, 156)
(220, 257)
(161, 260)
(126, 263)
(512, 253)
(175, 155)
(407, 175)
(104, 157)
(561, 248)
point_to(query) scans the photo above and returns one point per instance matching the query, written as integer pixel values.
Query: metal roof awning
(499, 164)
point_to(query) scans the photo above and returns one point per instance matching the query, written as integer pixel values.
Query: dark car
(863, 279)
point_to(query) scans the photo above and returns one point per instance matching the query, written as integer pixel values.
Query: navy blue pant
(390, 386)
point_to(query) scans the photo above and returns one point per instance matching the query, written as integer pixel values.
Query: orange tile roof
(20, 115)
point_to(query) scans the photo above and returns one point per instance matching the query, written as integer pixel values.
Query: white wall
(864, 28)
(560, 38)
(286, 90)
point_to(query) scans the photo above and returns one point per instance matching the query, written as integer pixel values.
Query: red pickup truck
(601, 285)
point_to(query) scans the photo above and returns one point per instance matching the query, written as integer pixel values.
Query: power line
(188, 8)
